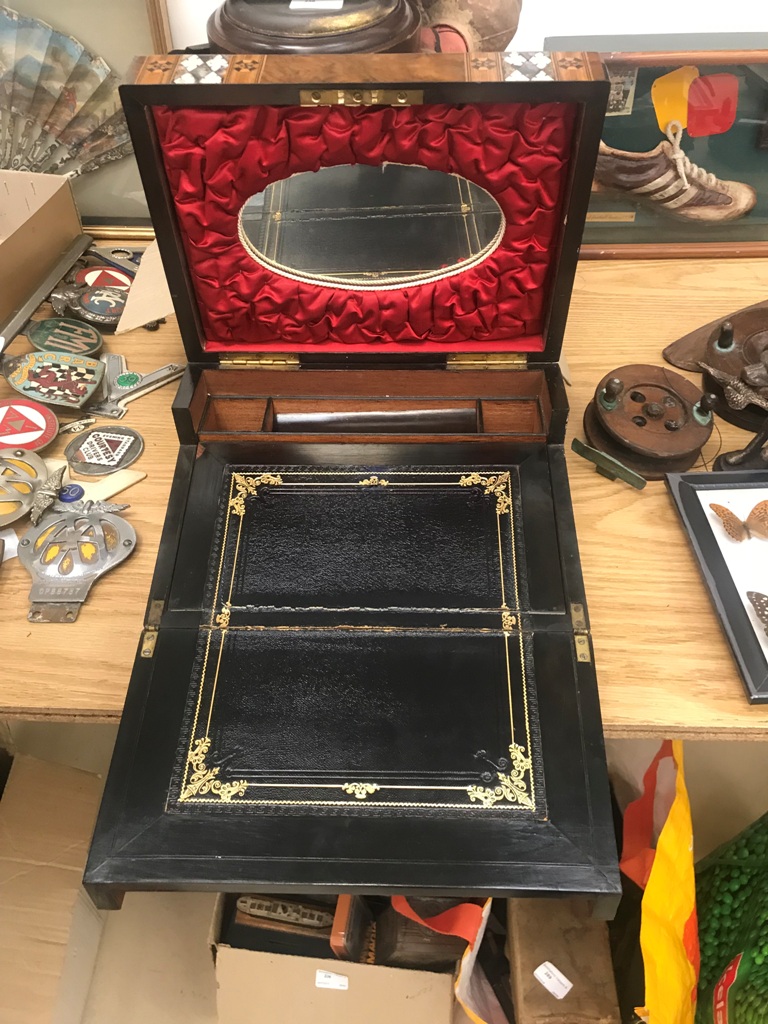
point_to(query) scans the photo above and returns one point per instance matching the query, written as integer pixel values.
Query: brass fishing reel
(649, 418)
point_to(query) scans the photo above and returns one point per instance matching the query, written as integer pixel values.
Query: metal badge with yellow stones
(67, 553)
(22, 473)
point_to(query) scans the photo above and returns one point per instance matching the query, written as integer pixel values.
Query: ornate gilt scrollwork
(374, 481)
(512, 785)
(249, 485)
(360, 790)
(203, 780)
(496, 485)
(222, 619)
(508, 621)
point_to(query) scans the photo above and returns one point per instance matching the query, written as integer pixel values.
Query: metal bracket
(607, 466)
(120, 387)
(54, 611)
(360, 97)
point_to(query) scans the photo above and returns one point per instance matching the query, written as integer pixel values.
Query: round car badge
(62, 334)
(104, 450)
(103, 277)
(99, 305)
(22, 474)
(25, 424)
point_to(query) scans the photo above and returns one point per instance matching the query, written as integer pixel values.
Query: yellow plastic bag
(668, 926)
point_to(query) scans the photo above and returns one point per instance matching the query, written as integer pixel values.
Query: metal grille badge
(67, 553)
(22, 474)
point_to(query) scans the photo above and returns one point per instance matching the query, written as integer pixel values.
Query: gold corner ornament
(203, 780)
(512, 785)
(249, 486)
(495, 485)
(373, 481)
(360, 790)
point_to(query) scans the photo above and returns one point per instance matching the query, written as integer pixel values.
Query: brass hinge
(276, 361)
(486, 360)
(580, 634)
(148, 641)
(578, 618)
(149, 636)
(583, 652)
(360, 97)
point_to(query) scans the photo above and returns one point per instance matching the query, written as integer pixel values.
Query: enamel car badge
(25, 424)
(104, 450)
(54, 378)
(97, 304)
(67, 552)
(103, 277)
(62, 334)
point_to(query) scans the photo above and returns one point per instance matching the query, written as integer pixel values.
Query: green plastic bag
(732, 900)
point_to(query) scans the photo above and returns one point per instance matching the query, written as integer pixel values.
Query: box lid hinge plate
(486, 360)
(149, 636)
(580, 633)
(273, 361)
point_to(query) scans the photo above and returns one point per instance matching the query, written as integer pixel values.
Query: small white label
(326, 979)
(316, 5)
(554, 981)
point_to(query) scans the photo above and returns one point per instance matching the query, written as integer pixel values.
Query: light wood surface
(82, 670)
(663, 666)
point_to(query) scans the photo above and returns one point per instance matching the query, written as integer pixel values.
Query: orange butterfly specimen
(760, 604)
(755, 525)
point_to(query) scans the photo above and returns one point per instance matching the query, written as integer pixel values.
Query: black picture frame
(685, 488)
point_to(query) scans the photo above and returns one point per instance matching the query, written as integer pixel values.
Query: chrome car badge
(22, 474)
(67, 552)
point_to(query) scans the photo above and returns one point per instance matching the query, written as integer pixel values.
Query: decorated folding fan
(59, 107)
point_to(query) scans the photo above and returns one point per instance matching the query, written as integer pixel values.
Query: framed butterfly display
(726, 518)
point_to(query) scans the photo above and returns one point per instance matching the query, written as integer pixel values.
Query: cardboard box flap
(414, 205)
(48, 933)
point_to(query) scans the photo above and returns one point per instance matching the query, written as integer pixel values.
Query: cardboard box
(295, 989)
(49, 929)
(38, 223)
(564, 933)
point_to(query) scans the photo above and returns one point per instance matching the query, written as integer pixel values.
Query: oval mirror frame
(369, 227)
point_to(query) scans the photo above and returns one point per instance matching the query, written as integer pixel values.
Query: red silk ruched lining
(216, 158)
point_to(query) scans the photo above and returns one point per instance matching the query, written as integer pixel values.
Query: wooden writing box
(367, 664)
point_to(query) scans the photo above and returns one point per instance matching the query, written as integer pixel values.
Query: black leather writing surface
(347, 704)
(329, 539)
(359, 719)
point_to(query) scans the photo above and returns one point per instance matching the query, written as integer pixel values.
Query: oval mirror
(367, 227)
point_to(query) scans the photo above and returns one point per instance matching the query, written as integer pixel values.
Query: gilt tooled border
(513, 786)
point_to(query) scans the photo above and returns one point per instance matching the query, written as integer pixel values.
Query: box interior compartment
(416, 405)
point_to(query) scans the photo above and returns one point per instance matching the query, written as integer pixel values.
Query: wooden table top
(663, 665)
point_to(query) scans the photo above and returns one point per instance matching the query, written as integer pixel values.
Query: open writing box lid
(211, 132)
